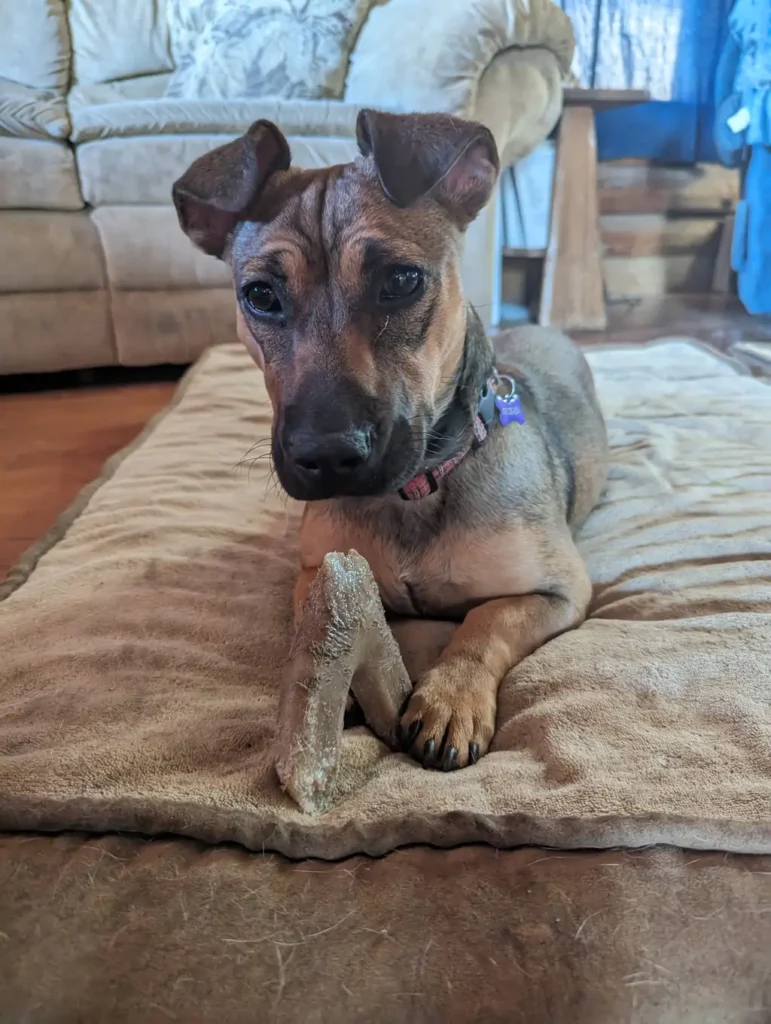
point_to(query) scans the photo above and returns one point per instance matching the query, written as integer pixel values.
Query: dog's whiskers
(262, 441)
(253, 462)
(273, 485)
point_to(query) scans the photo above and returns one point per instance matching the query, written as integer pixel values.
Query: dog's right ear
(219, 189)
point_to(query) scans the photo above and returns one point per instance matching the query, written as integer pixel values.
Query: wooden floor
(55, 441)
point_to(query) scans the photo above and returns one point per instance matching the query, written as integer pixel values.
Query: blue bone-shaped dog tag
(509, 406)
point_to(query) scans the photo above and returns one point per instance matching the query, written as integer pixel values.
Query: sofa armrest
(519, 98)
(435, 60)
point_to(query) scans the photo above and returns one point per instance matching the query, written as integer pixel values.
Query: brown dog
(384, 386)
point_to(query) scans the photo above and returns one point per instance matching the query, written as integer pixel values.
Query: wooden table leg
(572, 294)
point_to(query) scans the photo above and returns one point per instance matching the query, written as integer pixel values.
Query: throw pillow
(224, 49)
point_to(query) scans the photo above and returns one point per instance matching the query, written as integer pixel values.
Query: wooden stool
(572, 293)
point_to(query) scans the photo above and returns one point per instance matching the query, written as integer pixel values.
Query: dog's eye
(262, 299)
(400, 283)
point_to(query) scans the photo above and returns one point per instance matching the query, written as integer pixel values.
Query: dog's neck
(454, 428)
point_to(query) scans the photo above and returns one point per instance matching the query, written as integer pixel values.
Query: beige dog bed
(142, 644)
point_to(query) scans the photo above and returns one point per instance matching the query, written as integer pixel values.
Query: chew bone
(342, 642)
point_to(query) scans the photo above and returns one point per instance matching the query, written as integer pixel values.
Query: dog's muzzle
(338, 442)
(327, 465)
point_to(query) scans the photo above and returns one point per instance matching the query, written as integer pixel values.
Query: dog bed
(143, 642)
(119, 930)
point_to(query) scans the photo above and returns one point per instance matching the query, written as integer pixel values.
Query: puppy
(460, 474)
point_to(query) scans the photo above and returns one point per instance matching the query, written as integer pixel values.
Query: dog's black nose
(317, 456)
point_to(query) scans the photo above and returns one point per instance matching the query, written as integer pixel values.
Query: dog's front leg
(450, 719)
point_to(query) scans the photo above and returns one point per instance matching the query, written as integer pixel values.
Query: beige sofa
(93, 268)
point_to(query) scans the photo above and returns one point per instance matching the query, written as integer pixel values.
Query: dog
(460, 474)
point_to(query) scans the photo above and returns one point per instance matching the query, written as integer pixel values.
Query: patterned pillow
(225, 49)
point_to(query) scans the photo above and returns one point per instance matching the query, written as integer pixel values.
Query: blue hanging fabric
(743, 140)
(670, 48)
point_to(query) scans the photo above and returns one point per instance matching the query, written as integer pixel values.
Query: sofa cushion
(29, 113)
(142, 169)
(38, 174)
(139, 106)
(51, 252)
(171, 327)
(225, 49)
(49, 331)
(35, 43)
(118, 39)
(144, 248)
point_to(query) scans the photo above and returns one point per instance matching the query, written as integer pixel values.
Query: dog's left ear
(221, 187)
(415, 155)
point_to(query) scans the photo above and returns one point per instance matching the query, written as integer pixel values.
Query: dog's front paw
(450, 718)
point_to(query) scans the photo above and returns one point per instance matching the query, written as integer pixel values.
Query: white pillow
(224, 49)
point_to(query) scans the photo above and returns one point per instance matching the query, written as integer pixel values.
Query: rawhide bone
(342, 643)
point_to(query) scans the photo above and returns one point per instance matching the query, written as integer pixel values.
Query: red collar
(509, 409)
(425, 484)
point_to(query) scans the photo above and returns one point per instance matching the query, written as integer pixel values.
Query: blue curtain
(681, 127)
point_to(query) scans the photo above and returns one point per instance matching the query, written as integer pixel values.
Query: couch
(94, 270)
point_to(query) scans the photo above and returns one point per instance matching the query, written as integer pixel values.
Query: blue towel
(743, 82)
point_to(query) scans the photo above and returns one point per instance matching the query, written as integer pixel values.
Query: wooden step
(652, 276)
(624, 277)
(655, 234)
(637, 187)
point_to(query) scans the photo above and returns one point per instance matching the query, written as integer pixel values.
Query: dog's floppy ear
(455, 161)
(218, 189)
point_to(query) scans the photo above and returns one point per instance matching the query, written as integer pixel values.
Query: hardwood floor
(718, 320)
(53, 443)
(56, 433)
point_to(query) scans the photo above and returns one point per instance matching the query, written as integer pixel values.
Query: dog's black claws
(450, 762)
(473, 753)
(412, 734)
(428, 752)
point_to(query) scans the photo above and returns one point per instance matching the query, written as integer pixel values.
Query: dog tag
(509, 406)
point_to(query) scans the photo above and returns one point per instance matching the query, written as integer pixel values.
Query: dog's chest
(441, 579)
